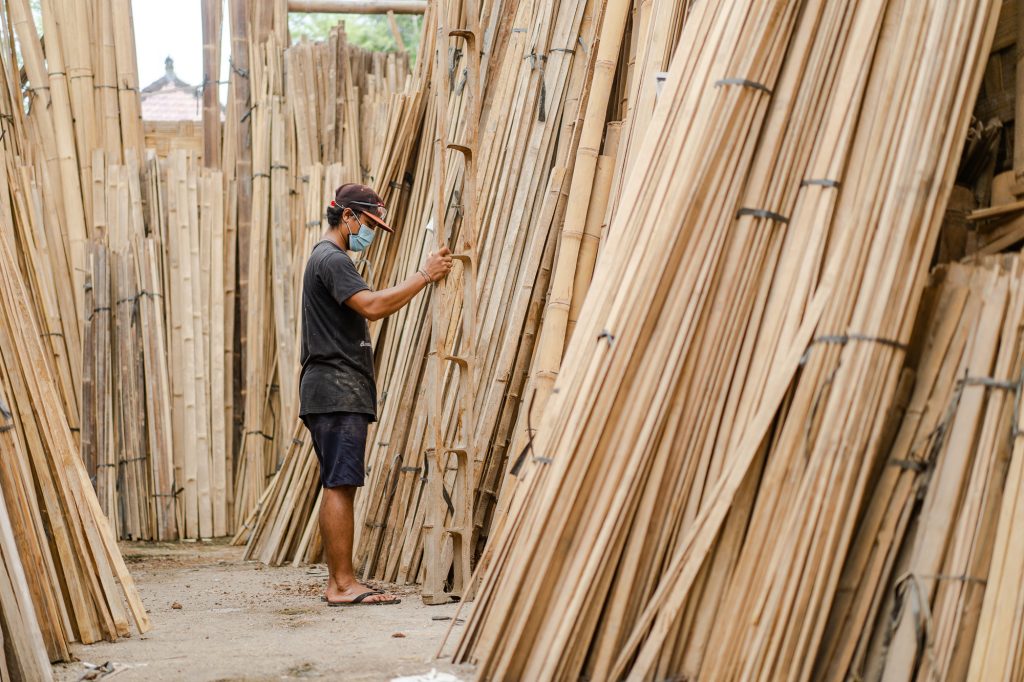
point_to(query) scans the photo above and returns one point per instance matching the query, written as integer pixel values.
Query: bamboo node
(744, 82)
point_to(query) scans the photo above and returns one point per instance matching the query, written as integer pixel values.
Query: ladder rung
(458, 360)
(466, 151)
(463, 33)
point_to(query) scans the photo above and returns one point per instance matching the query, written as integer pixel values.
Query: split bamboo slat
(772, 262)
(927, 565)
(459, 503)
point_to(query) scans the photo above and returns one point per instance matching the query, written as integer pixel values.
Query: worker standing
(337, 389)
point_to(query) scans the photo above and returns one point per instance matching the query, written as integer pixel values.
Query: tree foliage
(369, 31)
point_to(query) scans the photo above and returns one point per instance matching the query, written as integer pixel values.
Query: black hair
(334, 215)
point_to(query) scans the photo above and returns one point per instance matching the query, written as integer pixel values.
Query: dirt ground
(216, 617)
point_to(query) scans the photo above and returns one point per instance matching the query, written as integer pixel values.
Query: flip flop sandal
(358, 601)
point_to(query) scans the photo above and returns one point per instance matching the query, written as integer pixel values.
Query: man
(337, 390)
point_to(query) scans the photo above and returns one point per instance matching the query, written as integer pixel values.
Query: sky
(173, 29)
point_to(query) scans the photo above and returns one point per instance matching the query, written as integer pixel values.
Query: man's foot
(357, 593)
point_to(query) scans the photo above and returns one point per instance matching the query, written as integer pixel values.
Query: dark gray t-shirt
(337, 357)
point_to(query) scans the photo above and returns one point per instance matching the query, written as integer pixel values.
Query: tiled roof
(171, 99)
(172, 104)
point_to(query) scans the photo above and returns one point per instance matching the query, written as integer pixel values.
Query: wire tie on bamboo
(820, 182)
(174, 494)
(519, 29)
(605, 334)
(570, 50)
(989, 382)
(238, 71)
(298, 441)
(763, 213)
(922, 616)
(744, 82)
(278, 166)
(248, 113)
(910, 464)
(259, 433)
(47, 334)
(537, 60)
(261, 175)
(583, 46)
(410, 470)
(5, 412)
(843, 339)
(101, 309)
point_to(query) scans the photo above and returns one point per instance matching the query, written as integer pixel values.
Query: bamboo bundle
(997, 653)
(44, 478)
(640, 509)
(951, 450)
(25, 656)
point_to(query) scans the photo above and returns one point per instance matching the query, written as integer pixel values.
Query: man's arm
(374, 305)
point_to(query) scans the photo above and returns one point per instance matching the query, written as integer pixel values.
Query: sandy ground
(244, 621)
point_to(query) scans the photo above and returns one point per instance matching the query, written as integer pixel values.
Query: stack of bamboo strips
(80, 104)
(25, 653)
(911, 592)
(772, 262)
(78, 578)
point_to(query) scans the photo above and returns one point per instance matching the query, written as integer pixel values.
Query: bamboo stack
(25, 654)
(80, 104)
(952, 451)
(77, 578)
(774, 266)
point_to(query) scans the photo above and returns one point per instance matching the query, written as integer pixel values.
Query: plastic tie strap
(746, 83)
(819, 182)
(762, 213)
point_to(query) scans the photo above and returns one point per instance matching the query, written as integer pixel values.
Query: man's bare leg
(336, 528)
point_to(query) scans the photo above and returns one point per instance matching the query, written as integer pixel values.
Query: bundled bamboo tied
(952, 449)
(650, 540)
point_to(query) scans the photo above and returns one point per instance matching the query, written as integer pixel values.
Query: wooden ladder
(437, 560)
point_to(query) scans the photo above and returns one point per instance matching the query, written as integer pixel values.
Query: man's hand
(438, 265)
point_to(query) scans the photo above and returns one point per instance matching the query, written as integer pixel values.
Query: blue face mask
(362, 239)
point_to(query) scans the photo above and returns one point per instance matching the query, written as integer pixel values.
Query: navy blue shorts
(339, 439)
